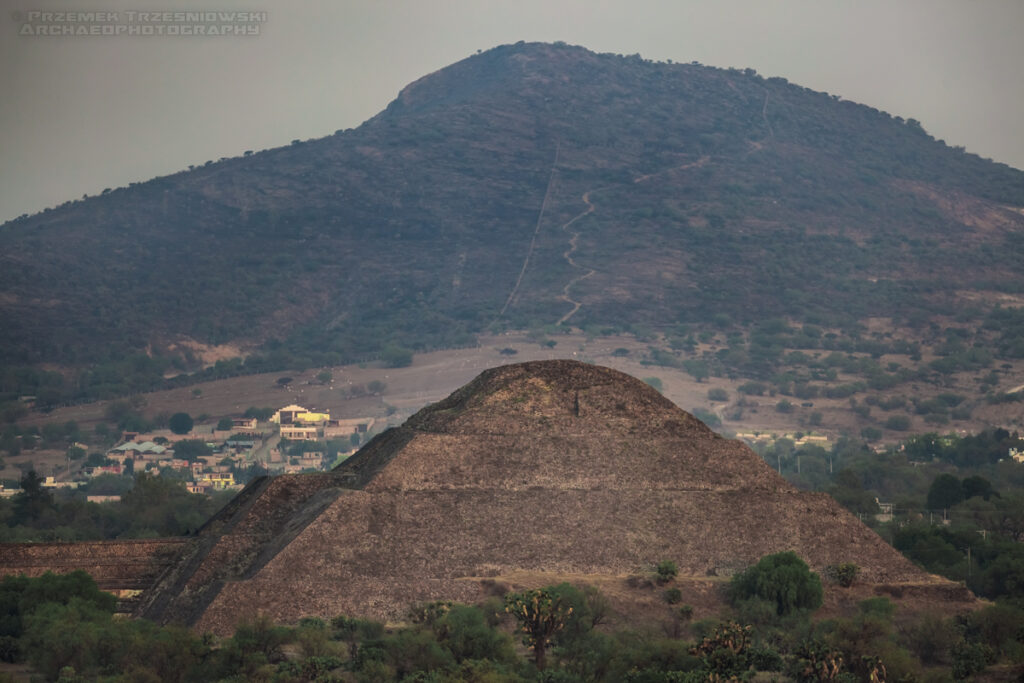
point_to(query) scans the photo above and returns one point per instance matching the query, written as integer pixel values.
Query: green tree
(224, 424)
(33, 500)
(698, 369)
(180, 423)
(782, 579)
(261, 414)
(190, 449)
(945, 492)
(977, 486)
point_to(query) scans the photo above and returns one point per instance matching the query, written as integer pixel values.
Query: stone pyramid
(554, 467)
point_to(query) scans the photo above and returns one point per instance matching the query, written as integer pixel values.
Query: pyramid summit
(529, 473)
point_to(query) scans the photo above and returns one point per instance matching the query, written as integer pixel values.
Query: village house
(52, 483)
(335, 429)
(300, 432)
(116, 470)
(134, 451)
(297, 415)
(216, 480)
(244, 425)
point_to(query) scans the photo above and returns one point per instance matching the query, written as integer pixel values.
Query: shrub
(752, 388)
(844, 573)
(898, 423)
(666, 571)
(718, 394)
(871, 433)
(673, 596)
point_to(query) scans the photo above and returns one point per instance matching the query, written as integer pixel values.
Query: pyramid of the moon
(558, 467)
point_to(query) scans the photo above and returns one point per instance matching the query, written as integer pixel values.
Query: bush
(898, 423)
(718, 394)
(666, 571)
(871, 433)
(673, 596)
(782, 578)
(844, 573)
(752, 388)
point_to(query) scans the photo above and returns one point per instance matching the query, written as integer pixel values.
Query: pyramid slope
(376, 554)
(554, 467)
(558, 425)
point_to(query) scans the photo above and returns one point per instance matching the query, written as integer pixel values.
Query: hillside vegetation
(530, 185)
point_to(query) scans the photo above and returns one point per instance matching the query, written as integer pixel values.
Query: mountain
(539, 470)
(528, 185)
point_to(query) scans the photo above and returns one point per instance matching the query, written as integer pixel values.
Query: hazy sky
(79, 113)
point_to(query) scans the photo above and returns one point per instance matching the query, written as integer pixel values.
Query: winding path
(567, 255)
(573, 241)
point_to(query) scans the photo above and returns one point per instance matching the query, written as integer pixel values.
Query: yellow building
(218, 480)
(296, 414)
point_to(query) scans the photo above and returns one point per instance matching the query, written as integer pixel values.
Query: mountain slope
(531, 184)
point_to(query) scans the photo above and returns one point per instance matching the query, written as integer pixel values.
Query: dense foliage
(954, 504)
(65, 629)
(150, 506)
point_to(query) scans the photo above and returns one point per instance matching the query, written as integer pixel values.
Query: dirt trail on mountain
(574, 239)
(567, 255)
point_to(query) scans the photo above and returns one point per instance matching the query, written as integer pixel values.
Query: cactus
(540, 617)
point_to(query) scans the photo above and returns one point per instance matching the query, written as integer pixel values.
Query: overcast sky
(82, 113)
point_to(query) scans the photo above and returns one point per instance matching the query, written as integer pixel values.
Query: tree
(261, 414)
(224, 424)
(190, 449)
(33, 500)
(181, 423)
(698, 369)
(783, 579)
(541, 615)
(945, 492)
(977, 486)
